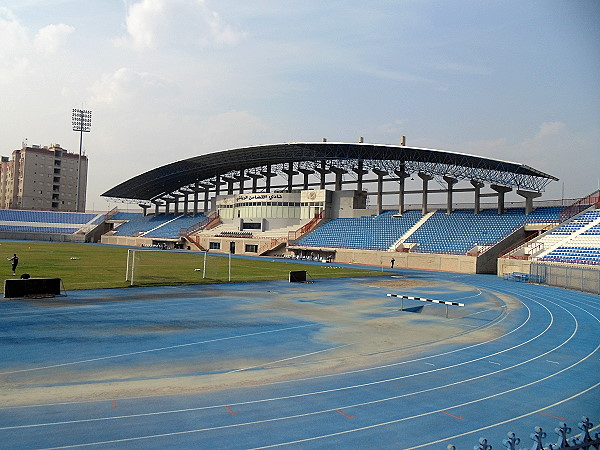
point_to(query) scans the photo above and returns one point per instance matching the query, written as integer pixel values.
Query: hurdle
(430, 300)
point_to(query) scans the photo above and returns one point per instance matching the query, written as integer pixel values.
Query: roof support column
(217, 184)
(306, 173)
(426, 179)
(196, 187)
(380, 174)
(255, 177)
(451, 182)
(268, 174)
(529, 196)
(186, 200)
(403, 176)
(241, 179)
(290, 172)
(230, 181)
(323, 171)
(156, 204)
(360, 171)
(167, 207)
(501, 190)
(339, 175)
(144, 208)
(206, 197)
(477, 185)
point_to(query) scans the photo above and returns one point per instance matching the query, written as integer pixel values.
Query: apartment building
(43, 178)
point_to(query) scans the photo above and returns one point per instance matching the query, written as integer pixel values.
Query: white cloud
(14, 34)
(19, 49)
(50, 38)
(549, 129)
(14, 48)
(182, 23)
(128, 86)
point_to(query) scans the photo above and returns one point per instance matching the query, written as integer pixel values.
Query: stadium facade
(267, 200)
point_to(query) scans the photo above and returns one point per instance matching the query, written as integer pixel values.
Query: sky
(172, 79)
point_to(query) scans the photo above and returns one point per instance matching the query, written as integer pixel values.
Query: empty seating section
(46, 221)
(371, 232)
(172, 228)
(165, 226)
(458, 232)
(462, 230)
(587, 255)
(576, 241)
(577, 223)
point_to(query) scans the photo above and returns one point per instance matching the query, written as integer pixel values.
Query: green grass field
(87, 266)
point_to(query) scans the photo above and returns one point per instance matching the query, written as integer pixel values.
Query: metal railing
(295, 235)
(580, 205)
(577, 277)
(584, 440)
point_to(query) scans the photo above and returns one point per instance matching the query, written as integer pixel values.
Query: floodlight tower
(82, 122)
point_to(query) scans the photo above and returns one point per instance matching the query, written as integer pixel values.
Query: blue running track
(334, 364)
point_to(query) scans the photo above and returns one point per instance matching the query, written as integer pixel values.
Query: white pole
(127, 269)
(132, 266)
(229, 266)
(204, 268)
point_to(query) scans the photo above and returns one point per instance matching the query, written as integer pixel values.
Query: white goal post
(150, 261)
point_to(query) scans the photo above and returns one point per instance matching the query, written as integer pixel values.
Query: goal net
(159, 267)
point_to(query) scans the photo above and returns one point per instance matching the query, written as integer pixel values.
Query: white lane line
(473, 314)
(430, 364)
(493, 362)
(288, 359)
(479, 292)
(553, 362)
(508, 420)
(403, 419)
(350, 372)
(481, 376)
(170, 347)
(307, 394)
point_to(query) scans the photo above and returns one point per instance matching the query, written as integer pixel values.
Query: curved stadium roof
(180, 174)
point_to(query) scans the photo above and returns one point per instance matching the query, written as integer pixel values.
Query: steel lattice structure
(354, 159)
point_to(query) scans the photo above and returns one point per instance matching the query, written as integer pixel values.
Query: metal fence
(584, 440)
(586, 279)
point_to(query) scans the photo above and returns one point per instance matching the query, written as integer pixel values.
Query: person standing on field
(15, 263)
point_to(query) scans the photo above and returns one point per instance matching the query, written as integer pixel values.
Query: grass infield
(88, 266)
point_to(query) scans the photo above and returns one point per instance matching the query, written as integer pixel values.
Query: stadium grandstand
(347, 203)
(50, 225)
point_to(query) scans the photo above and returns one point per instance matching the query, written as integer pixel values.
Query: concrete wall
(487, 262)
(349, 204)
(49, 237)
(422, 261)
(509, 265)
(130, 241)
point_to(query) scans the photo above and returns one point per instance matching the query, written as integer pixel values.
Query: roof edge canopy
(169, 178)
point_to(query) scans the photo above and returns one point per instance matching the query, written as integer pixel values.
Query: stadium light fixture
(82, 122)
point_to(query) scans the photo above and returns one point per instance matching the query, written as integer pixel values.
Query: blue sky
(172, 79)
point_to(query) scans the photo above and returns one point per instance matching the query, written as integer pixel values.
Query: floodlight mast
(82, 122)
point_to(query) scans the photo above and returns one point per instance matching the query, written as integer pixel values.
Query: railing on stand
(582, 204)
(207, 223)
(211, 221)
(307, 228)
